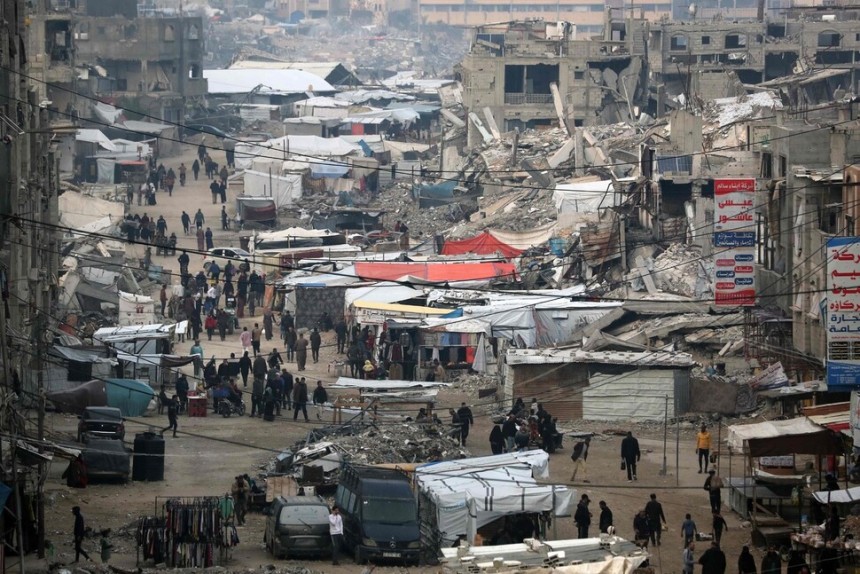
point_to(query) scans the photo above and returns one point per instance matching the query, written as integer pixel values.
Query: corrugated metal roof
(632, 358)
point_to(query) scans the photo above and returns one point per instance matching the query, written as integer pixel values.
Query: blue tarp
(130, 396)
(443, 190)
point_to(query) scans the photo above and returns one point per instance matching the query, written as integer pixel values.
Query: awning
(78, 355)
(776, 438)
(96, 137)
(844, 496)
(397, 308)
(482, 244)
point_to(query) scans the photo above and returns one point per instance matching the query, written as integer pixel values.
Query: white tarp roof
(345, 276)
(96, 137)
(106, 112)
(843, 496)
(304, 147)
(739, 434)
(284, 190)
(242, 81)
(78, 210)
(131, 332)
(584, 196)
(293, 232)
(128, 146)
(389, 385)
(402, 115)
(469, 493)
(384, 292)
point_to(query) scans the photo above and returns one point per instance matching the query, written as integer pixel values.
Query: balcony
(519, 99)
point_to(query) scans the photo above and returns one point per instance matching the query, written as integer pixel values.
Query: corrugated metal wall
(632, 395)
(558, 387)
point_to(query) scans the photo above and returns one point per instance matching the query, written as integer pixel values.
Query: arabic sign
(772, 377)
(843, 312)
(734, 230)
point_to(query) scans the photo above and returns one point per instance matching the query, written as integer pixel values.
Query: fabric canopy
(470, 493)
(482, 244)
(776, 438)
(434, 272)
(844, 496)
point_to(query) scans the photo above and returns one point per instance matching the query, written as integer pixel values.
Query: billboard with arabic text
(734, 242)
(843, 312)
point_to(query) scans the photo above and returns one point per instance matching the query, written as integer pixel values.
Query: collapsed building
(536, 73)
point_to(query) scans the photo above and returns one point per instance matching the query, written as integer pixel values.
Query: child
(106, 546)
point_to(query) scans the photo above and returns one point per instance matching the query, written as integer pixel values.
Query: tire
(224, 410)
(242, 410)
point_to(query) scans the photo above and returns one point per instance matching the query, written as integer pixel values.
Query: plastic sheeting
(304, 147)
(481, 244)
(130, 396)
(774, 438)
(584, 197)
(284, 190)
(525, 239)
(435, 272)
(470, 493)
(384, 292)
(106, 170)
(264, 81)
(541, 324)
(96, 137)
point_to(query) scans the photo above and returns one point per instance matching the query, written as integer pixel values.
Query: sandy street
(210, 451)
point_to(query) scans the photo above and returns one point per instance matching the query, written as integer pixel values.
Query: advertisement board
(843, 312)
(734, 242)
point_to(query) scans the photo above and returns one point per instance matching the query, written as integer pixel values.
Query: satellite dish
(692, 9)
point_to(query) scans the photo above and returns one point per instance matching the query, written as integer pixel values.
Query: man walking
(656, 519)
(316, 341)
(199, 220)
(689, 558)
(255, 338)
(340, 332)
(260, 370)
(466, 421)
(688, 530)
(245, 339)
(714, 486)
(186, 222)
(582, 517)
(300, 399)
(579, 456)
(605, 517)
(713, 560)
(335, 530)
(79, 531)
(301, 352)
(718, 524)
(703, 447)
(239, 490)
(172, 411)
(630, 455)
(320, 398)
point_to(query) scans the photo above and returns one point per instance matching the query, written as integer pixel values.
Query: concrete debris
(378, 443)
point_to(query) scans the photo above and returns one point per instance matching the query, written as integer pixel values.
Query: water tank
(148, 457)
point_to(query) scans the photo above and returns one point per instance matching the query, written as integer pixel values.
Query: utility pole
(664, 470)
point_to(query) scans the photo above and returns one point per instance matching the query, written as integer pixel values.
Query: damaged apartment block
(534, 73)
(112, 50)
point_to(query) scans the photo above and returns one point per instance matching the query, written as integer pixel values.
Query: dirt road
(210, 451)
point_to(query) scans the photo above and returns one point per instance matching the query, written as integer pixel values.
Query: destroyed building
(110, 51)
(513, 68)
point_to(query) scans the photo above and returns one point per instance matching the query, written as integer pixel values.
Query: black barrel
(148, 457)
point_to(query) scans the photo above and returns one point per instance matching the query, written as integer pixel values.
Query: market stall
(772, 445)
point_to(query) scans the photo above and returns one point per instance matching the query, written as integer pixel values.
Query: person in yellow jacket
(703, 447)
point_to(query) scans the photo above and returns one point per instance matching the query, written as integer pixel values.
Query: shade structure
(482, 244)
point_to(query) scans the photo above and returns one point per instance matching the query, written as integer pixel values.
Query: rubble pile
(95, 568)
(681, 270)
(471, 383)
(393, 442)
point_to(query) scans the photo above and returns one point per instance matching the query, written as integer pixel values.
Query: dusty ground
(210, 451)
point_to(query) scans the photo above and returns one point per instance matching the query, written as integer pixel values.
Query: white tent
(584, 196)
(284, 190)
(96, 137)
(310, 148)
(472, 492)
(384, 292)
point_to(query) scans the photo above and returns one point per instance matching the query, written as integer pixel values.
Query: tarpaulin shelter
(774, 439)
(482, 244)
(463, 495)
(130, 396)
(284, 189)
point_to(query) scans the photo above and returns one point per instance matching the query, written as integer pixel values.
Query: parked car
(298, 526)
(106, 458)
(206, 129)
(380, 517)
(228, 252)
(101, 422)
